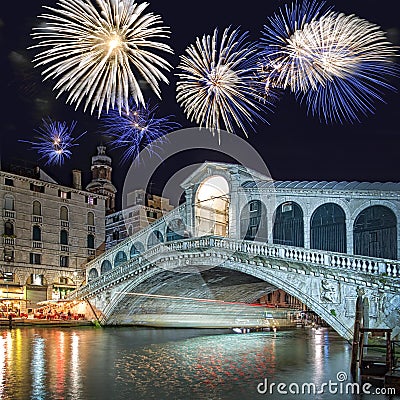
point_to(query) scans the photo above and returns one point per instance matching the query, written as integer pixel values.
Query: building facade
(48, 233)
(143, 209)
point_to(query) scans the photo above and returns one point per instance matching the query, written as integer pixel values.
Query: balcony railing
(64, 247)
(9, 214)
(64, 224)
(36, 244)
(91, 252)
(38, 219)
(9, 241)
(91, 228)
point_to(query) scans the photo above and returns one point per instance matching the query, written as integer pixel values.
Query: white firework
(338, 44)
(217, 86)
(100, 53)
(305, 54)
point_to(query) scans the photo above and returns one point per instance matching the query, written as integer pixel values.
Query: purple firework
(137, 129)
(54, 141)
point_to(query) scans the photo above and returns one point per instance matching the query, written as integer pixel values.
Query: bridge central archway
(212, 207)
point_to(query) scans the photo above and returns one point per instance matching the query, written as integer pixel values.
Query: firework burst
(357, 62)
(101, 53)
(287, 58)
(139, 128)
(218, 87)
(338, 65)
(54, 141)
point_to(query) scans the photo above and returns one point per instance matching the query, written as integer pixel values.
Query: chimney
(76, 179)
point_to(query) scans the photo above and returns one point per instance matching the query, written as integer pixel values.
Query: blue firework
(349, 99)
(359, 65)
(54, 141)
(339, 65)
(285, 56)
(136, 130)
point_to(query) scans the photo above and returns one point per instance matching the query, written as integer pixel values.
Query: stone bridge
(240, 236)
(197, 281)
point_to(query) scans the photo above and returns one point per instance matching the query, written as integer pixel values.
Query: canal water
(138, 363)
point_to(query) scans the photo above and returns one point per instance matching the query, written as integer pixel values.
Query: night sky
(294, 146)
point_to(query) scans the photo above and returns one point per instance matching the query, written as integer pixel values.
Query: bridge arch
(93, 274)
(375, 232)
(253, 221)
(155, 237)
(120, 258)
(328, 228)
(283, 280)
(136, 249)
(175, 230)
(105, 267)
(288, 228)
(212, 206)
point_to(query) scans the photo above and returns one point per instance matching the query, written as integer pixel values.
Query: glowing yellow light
(114, 42)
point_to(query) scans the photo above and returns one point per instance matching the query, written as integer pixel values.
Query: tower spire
(101, 178)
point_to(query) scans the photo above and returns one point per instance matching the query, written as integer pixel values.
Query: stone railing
(246, 250)
(361, 264)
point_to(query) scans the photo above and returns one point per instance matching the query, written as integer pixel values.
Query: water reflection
(38, 371)
(127, 363)
(75, 367)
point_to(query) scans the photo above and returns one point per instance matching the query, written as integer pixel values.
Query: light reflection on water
(128, 363)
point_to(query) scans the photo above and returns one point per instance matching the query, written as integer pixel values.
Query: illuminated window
(37, 279)
(8, 255)
(64, 195)
(91, 200)
(8, 277)
(212, 207)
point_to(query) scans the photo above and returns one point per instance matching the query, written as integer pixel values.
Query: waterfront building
(48, 233)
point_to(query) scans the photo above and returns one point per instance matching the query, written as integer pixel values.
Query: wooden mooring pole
(356, 336)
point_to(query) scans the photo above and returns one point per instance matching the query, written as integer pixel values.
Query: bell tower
(101, 178)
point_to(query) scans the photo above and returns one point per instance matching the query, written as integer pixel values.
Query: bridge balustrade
(169, 250)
